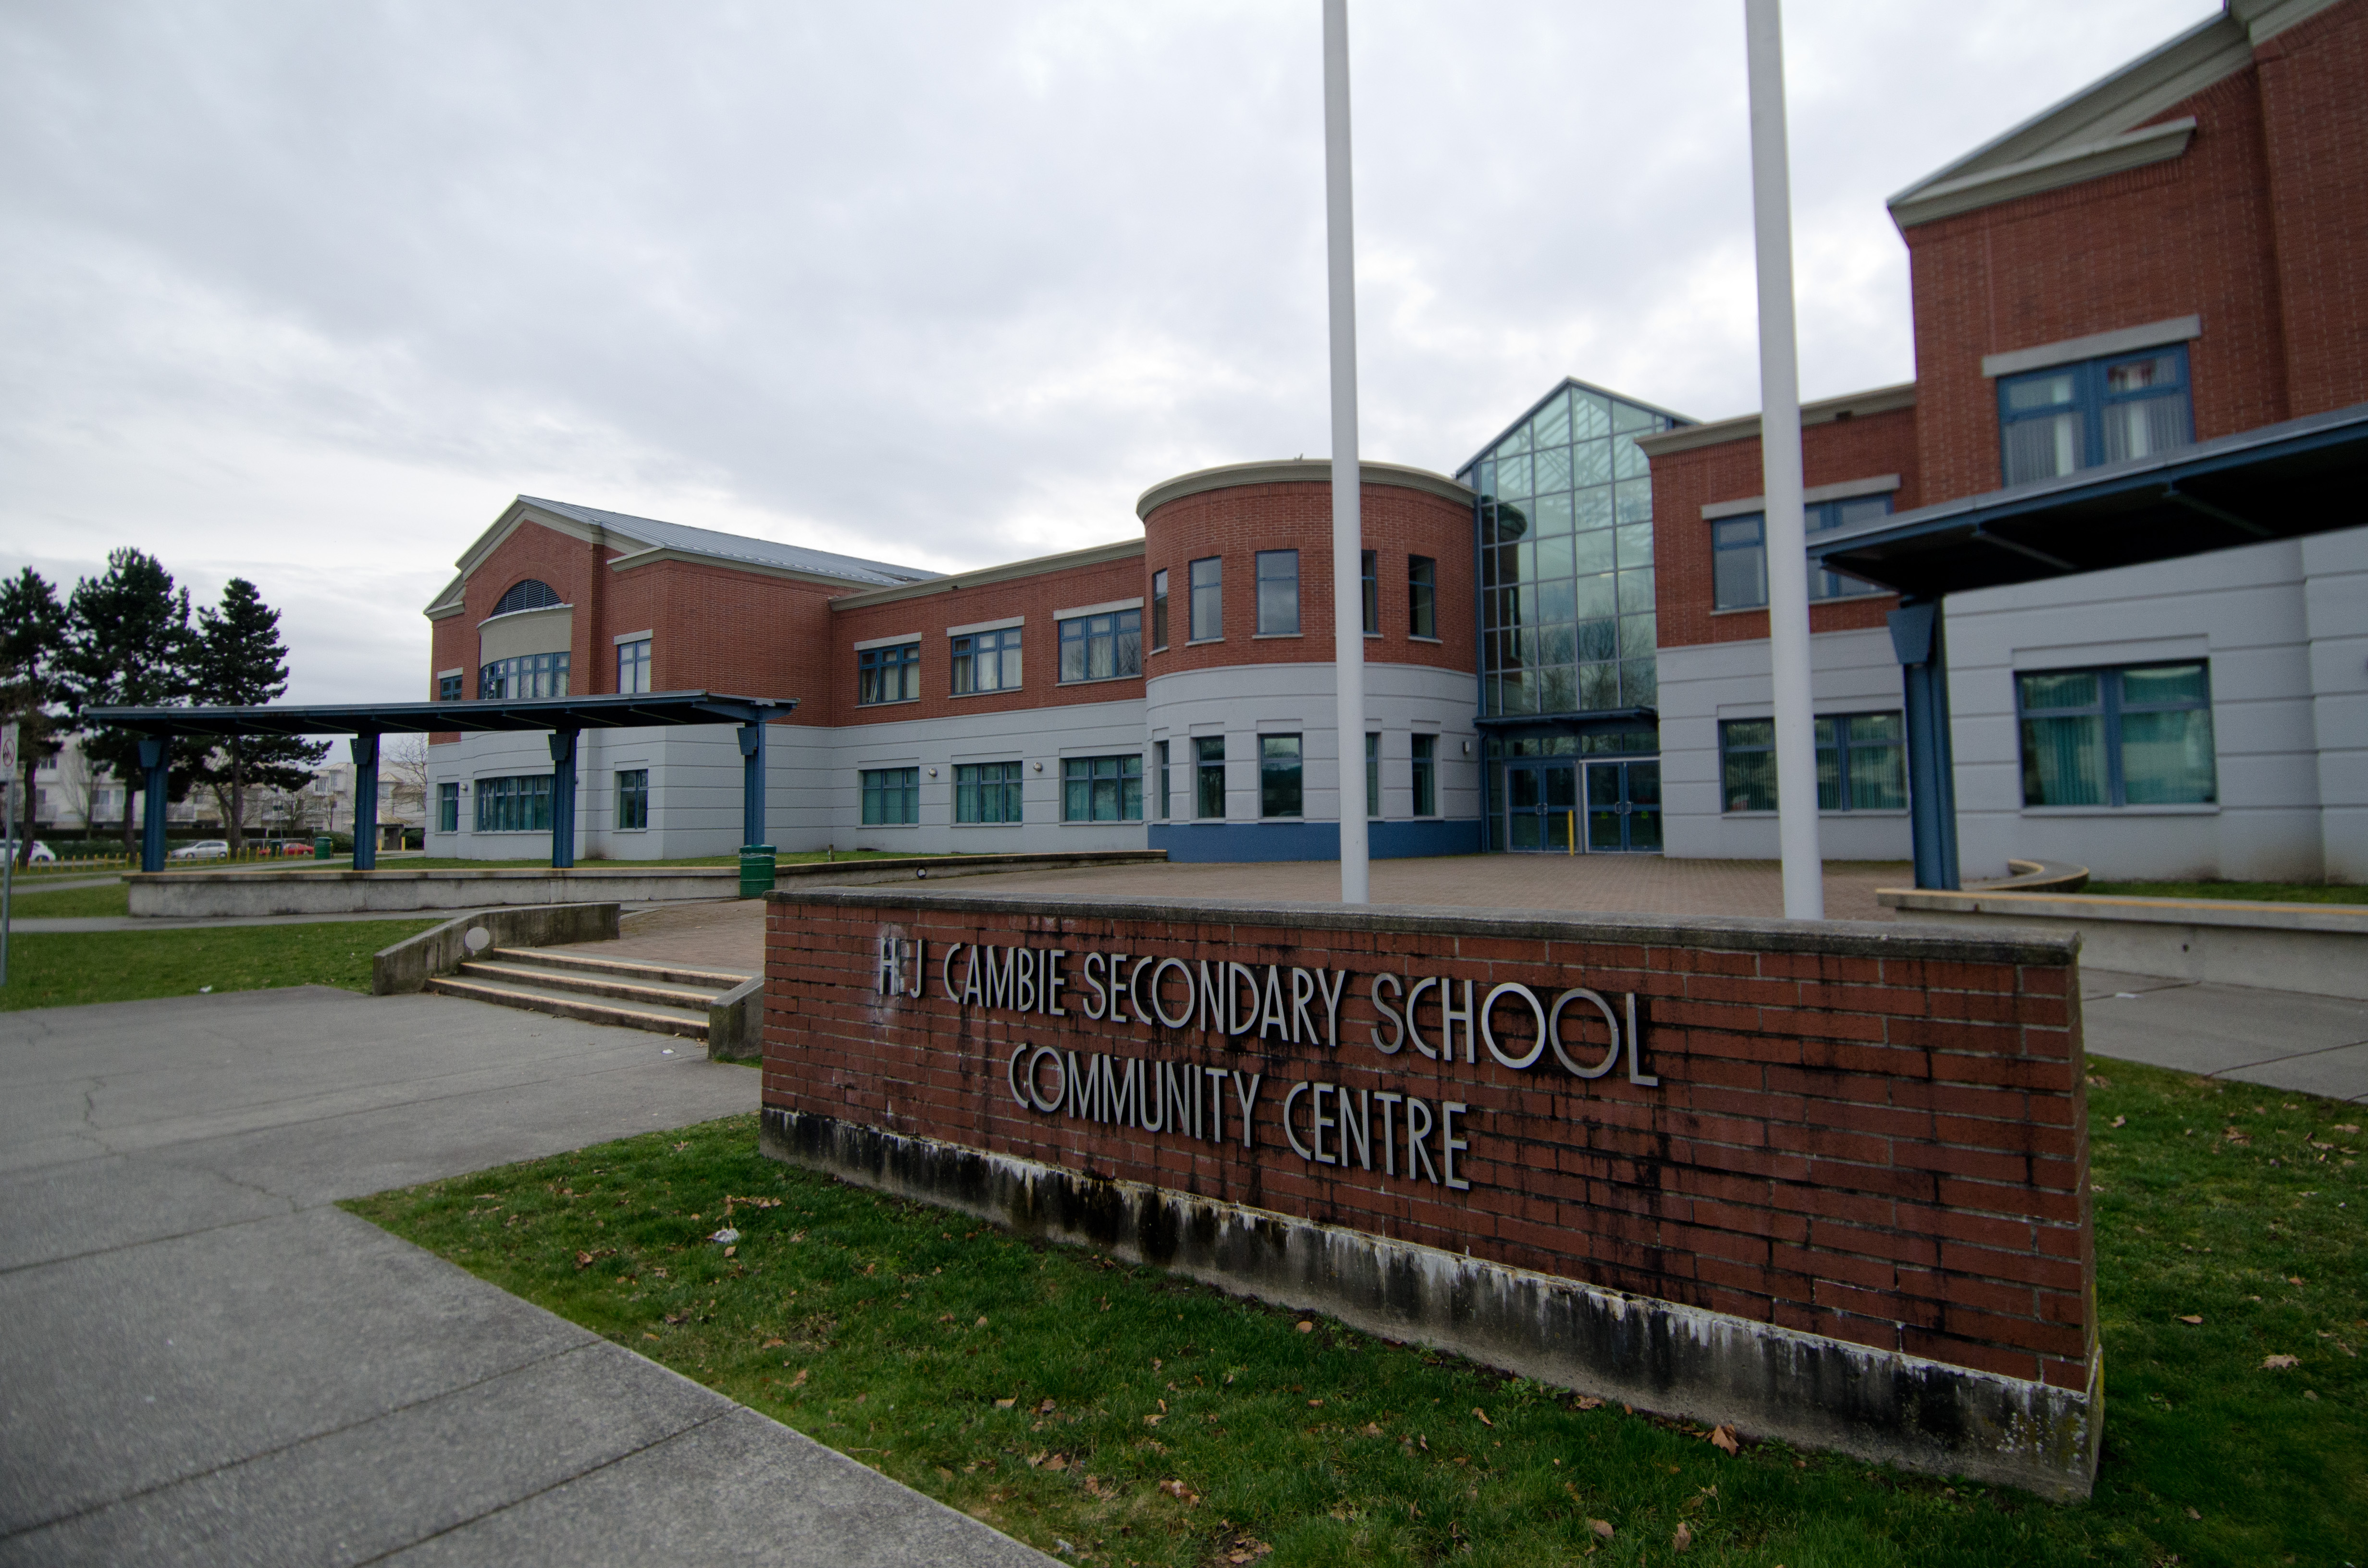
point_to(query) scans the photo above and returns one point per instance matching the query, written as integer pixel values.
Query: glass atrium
(1566, 617)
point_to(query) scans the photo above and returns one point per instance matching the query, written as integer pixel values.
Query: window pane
(2164, 683)
(2076, 689)
(1159, 609)
(1551, 470)
(2064, 761)
(2040, 392)
(1590, 413)
(1551, 516)
(1829, 776)
(1208, 587)
(1208, 764)
(1426, 783)
(1278, 777)
(1870, 727)
(2143, 426)
(1640, 683)
(1748, 774)
(2041, 448)
(1278, 592)
(1372, 776)
(1422, 582)
(1636, 590)
(2166, 757)
(1878, 772)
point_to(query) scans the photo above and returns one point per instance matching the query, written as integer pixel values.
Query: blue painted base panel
(1310, 840)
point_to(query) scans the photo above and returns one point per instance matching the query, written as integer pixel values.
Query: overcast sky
(306, 293)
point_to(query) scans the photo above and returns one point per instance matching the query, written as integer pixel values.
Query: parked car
(203, 849)
(289, 847)
(42, 854)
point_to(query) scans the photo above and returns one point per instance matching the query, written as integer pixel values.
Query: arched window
(531, 593)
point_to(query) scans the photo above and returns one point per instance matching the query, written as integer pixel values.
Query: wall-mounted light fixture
(1040, 767)
(1467, 748)
(933, 773)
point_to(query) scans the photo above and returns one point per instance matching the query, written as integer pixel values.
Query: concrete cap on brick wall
(1297, 470)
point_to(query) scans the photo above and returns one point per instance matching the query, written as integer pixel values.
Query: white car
(203, 849)
(42, 854)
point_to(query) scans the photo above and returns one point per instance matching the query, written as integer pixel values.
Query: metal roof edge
(1746, 427)
(1296, 470)
(1564, 385)
(1092, 555)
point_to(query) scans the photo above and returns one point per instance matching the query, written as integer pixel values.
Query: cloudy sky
(307, 293)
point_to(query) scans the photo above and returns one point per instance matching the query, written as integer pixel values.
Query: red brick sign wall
(1873, 1136)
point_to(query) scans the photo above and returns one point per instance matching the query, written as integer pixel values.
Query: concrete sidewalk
(205, 1362)
(2317, 1045)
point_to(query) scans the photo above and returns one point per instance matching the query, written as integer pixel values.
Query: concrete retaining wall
(2320, 950)
(216, 893)
(408, 966)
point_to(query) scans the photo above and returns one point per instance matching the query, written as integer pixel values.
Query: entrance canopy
(2304, 476)
(562, 716)
(2288, 481)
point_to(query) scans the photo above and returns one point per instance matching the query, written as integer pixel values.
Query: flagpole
(1347, 532)
(1779, 455)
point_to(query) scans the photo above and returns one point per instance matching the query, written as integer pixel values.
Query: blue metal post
(365, 802)
(562, 799)
(155, 760)
(1920, 637)
(752, 783)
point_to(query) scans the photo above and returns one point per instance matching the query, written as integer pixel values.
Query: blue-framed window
(527, 593)
(1370, 564)
(2135, 736)
(633, 666)
(986, 661)
(2069, 417)
(1738, 553)
(1102, 789)
(518, 805)
(986, 792)
(448, 689)
(1426, 776)
(1279, 791)
(1102, 647)
(633, 799)
(892, 796)
(1209, 776)
(888, 675)
(447, 808)
(1278, 593)
(1422, 596)
(528, 675)
(1159, 609)
(1862, 763)
(1160, 782)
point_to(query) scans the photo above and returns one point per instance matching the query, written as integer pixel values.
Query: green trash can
(324, 848)
(756, 870)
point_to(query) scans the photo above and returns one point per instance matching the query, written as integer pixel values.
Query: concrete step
(683, 1021)
(716, 979)
(590, 984)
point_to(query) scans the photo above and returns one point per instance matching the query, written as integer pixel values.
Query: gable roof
(2102, 129)
(1556, 391)
(665, 540)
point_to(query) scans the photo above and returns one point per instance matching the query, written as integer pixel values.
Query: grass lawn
(1064, 1397)
(62, 969)
(28, 904)
(2273, 893)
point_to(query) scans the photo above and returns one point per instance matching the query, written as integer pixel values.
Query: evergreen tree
(128, 644)
(239, 661)
(32, 640)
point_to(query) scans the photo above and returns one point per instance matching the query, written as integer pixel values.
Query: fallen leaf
(1153, 1420)
(1683, 1538)
(800, 1380)
(1006, 1404)
(2193, 1515)
(2191, 1317)
(2278, 1363)
(1369, 1429)
(1588, 1402)
(2120, 1120)
(1601, 1528)
(772, 1345)
(2346, 1127)
(1180, 1492)
(2294, 1280)
(1305, 1326)
(1483, 1415)
(1045, 1408)
(1315, 1404)
(1723, 1440)
(980, 1324)
(1058, 1461)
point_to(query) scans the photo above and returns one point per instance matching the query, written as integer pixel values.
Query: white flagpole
(1347, 531)
(1780, 451)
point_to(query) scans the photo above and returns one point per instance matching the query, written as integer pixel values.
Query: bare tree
(402, 760)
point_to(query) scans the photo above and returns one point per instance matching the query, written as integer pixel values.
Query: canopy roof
(608, 713)
(2304, 476)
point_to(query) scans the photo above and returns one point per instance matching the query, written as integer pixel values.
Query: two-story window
(1208, 600)
(890, 674)
(2135, 736)
(527, 676)
(2069, 417)
(1422, 596)
(1279, 778)
(1159, 780)
(986, 792)
(1159, 609)
(986, 661)
(633, 664)
(1862, 763)
(1106, 645)
(1278, 593)
(892, 796)
(1372, 776)
(1369, 566)
(1102, 789)
(1738, 553)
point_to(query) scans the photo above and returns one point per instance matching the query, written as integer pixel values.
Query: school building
(1567, 640)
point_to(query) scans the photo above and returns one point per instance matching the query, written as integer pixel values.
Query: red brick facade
(1237, 522)
(1875, 1141)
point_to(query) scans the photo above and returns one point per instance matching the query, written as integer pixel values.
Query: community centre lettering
(1405, 1136)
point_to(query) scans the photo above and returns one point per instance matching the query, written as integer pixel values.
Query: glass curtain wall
(1567, 560)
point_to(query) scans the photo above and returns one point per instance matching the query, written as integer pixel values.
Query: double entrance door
(1621, 812)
